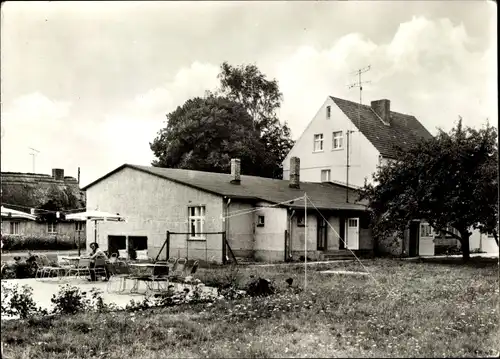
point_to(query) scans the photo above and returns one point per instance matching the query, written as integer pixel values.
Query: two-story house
(344, 133)
(346, 141)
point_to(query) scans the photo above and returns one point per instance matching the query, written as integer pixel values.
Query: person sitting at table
(97, 260)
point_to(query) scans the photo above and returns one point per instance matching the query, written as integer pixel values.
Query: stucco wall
(363, 156)
(151, 206)
(240, 228)
(298, 237)
(270, 239)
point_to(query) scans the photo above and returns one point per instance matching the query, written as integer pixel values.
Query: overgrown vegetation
(36, 242)
(406, 310)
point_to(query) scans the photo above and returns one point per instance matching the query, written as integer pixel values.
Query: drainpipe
(290, 230)
(226, 226)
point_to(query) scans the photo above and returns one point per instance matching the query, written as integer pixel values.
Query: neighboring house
(322, 146)
(199, 209)
(22, 193)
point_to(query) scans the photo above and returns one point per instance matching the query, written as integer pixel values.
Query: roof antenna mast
(359, 84)
(34, 152)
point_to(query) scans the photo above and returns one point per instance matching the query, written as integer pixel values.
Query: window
(352, 223)
(301, 220)
(318, 142)
(79, 226)
(260, 221)
(52, 227)
(328, 112)
(337, 140)
(196, 222)
(14, 227)
(325, 175)
(426, 230)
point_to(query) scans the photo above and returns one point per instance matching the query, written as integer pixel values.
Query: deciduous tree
(449, 181)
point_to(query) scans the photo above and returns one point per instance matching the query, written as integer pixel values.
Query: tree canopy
(450, 180)
(205, 133)
(239, 120)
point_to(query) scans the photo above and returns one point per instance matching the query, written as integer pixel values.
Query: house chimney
(383, 109)
(294, 173)
(235, 170)
(58, 174)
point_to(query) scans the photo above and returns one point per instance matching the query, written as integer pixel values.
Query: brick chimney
(294, 173)
(383, 109)
(58, 174)
(235, 171)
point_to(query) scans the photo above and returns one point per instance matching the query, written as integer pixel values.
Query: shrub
(20, 303)
(37, 242)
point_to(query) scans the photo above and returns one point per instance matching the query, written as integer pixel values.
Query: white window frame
(52, 228)
(14, 228)
(318, 140)
(196, 216)
(328, 176)
(328, 112)
(79, 226)
(337, 140)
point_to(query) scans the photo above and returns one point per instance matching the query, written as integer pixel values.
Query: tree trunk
(465, 245)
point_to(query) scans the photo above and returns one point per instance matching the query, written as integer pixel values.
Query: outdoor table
(141, 271)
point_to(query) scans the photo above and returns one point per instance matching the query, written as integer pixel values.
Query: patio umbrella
(95, 216)
(12, 213)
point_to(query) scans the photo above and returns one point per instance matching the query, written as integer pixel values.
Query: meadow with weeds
(406, 310)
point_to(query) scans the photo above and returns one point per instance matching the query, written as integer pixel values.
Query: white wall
(270, 239)
(363, 156)
(151, 206)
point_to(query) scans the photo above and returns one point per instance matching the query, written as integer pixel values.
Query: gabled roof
(404, 129)
(323, 196)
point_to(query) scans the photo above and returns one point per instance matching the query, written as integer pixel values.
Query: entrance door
(426, 245)
(352, 233)
(321, 234)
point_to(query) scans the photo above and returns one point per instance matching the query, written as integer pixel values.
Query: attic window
(260, 221)
(328, 112)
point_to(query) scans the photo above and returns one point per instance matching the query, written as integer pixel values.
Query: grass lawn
(415, 310)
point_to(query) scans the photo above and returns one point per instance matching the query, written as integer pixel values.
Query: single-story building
(260, 218)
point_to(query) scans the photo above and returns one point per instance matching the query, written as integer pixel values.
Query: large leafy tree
(450, 181)
(205, 133)
(261, 97)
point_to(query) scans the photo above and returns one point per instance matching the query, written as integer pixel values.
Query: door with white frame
(352, 233)
(426, 241)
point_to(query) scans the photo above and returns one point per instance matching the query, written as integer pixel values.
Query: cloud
(427, 70)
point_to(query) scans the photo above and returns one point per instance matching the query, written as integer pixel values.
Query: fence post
(167, 252)
(224, 247)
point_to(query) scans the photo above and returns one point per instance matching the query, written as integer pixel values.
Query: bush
(71, 300)
(20, 303)
(34, 242)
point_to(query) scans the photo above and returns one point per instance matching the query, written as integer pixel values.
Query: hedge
(33, 242)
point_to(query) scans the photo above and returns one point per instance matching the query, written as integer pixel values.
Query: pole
(347, 169)
(95, 230)
(79, 252)
(305, 241)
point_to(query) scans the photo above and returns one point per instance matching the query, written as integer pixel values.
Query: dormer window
(328, 112)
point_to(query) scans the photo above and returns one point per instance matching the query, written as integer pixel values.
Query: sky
(89, 84)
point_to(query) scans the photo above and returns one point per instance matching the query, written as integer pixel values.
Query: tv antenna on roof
(34, 152)
(359, 84)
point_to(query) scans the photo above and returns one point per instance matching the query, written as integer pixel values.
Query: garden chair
(142, 255)
(83, 266)
(44, 267)
(113, 258)
(178, 270)
(119, 271)
(160, 276)
(99, 268)
(122, 254)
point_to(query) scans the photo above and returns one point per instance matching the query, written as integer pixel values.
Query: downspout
(290, 231)
(226, 221)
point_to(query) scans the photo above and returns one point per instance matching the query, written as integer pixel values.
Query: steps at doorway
(344, 254)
